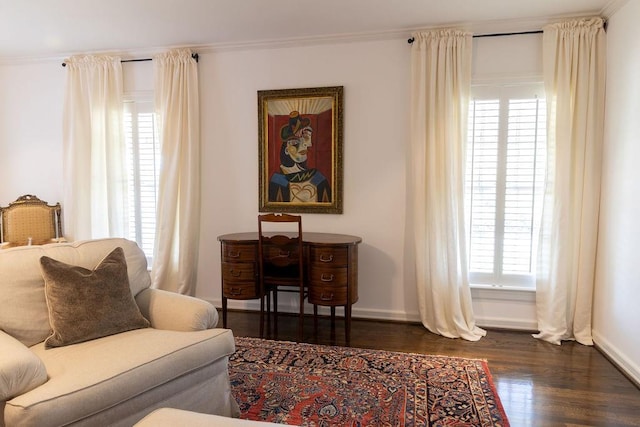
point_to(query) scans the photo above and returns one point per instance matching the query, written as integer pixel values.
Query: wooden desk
(331, 264)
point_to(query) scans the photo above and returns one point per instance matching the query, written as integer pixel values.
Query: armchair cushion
(20, 369)
(87, 304)
(92, 378)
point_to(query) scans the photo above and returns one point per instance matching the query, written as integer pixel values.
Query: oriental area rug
(313, 385)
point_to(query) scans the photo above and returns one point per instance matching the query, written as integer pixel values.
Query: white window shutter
(504, 184)
(143, 150)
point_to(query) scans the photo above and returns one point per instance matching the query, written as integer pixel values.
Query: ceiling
(55, 28)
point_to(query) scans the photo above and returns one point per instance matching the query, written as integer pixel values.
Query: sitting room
(214, 170)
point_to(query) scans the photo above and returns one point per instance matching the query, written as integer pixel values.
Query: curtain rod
(194, 56)
(477, 36)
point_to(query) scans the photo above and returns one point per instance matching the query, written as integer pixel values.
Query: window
(505, 174)
(143, 166)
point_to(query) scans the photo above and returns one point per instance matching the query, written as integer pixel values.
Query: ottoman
(169, 417)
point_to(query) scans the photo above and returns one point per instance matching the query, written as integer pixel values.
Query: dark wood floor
(539, 384)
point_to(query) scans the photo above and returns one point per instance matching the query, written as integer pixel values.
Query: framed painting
(300, 150)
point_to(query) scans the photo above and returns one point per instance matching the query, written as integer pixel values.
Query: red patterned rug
(313, 385)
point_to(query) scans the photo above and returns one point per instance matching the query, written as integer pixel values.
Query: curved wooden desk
(331, 264)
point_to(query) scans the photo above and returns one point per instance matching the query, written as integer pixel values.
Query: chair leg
(224, 312)
(262, 316)
(301, 317)
(347, 324)
(315, 321)
(333, 323)
(269, 314)
(275, 312)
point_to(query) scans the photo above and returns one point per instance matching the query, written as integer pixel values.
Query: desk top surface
(307, 237)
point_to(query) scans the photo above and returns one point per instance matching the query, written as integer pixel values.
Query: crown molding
(612, 7)
(483, 27)
(60, 58)
(304, 41)
(477, 28)
(523, 25)
(24, 60)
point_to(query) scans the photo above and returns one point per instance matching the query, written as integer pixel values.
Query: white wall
(375, 79)
(31, 130)
(616, 314)
(375, 76)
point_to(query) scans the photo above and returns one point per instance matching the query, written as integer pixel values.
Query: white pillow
(20, 369)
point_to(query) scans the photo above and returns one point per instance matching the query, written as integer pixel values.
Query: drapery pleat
(178, 212)
(95, 183)
(574, 74)
(440, 86)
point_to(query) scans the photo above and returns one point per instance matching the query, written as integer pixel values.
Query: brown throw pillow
(85, 304)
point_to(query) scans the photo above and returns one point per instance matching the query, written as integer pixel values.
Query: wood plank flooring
(539, 384)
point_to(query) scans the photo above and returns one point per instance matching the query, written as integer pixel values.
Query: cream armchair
(179, 360)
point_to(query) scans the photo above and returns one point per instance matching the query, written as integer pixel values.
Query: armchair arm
(172, 311)
(20, 369)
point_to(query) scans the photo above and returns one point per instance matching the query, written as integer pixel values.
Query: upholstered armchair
(86, 341)
(29, 220)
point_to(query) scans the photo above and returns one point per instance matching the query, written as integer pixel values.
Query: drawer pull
(233, 254)
(327, 278)
(324, 297)
(235, 292)
(235, 273)
(328, 258)
(284, 254)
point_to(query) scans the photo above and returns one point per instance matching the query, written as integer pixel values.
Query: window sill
(503, 293)
(501, 288)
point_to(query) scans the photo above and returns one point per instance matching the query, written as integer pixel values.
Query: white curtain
(95, 184)
(574, 73)
(440, 86)
(178, 212)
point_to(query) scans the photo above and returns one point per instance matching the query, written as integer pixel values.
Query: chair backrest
(30, 220)
(280, 253)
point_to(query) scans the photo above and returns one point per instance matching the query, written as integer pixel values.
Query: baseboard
(389, 315)
(505, 323)
(630, 369)
(355, 312)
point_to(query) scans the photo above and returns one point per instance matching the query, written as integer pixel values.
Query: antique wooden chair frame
(29, 220)
(281, 266)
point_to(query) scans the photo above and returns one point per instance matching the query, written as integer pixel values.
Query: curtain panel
(440, 86)
(175, 256)
(95, 180)
(574, 75)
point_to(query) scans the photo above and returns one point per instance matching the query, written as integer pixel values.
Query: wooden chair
(30, 220)
(281, 264)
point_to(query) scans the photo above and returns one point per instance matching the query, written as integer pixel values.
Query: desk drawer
(238, 252)
(328, 276)
(329, 256)
(328, 295)
(238, 271)
(240, 290)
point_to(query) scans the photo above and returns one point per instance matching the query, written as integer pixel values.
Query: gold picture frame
(300, 150)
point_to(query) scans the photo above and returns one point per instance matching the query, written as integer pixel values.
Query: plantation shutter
(144, 166)
(524, 182)
(504, 183)
(481, 182)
